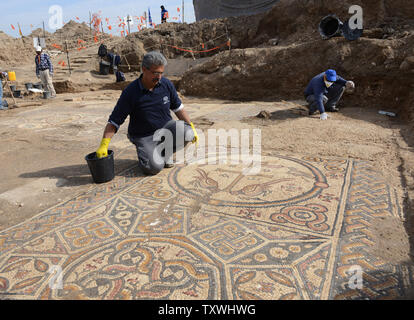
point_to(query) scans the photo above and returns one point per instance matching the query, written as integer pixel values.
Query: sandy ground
(43, 147)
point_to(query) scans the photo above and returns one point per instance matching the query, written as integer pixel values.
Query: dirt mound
(298, 20)
(199, 36)
(65, 87)
(4, 36)
(131, 51)
(283, 72)
(20, 51)
(210, 36)
(291, 52)
(15, 51)
(39, 33)
(74, 29)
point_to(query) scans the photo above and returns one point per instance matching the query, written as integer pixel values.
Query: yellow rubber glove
(195, 134)
(103, 149)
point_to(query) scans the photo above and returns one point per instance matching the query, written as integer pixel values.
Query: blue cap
(330, 75)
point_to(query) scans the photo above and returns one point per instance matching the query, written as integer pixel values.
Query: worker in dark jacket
(164, 14)
(148, 101)
(324, 91)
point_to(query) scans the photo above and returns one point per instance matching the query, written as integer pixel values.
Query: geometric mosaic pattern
(296, 230)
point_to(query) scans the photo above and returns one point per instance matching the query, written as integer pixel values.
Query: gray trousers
(333, 96)
(156, 150)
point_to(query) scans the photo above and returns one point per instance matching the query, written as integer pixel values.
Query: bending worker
(148, 101)
(3, 103)
(324, 91)
(44, 70)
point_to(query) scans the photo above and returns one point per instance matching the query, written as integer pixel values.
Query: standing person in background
(164, 14)
(44, 71)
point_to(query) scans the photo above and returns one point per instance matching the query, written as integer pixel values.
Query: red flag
(178, 9)
(77, 18)
(109, 27)
(13, 27)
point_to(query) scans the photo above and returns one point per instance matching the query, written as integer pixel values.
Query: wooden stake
(67, 55)
(90, 24)
(8, 85)
(182, 18)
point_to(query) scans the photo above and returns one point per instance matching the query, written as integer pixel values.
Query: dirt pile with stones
(381, 62)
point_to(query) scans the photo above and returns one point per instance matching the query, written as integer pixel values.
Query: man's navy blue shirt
(318, 89)
(148, 110)
(164, 14)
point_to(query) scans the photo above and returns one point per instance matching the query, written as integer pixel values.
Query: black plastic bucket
(104, 67)
(28, 86)
(13, 87)
(46, 95)
(102, 169)
(17, 93)
(330, 26)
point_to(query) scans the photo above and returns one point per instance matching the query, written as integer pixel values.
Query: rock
(249, 53)
(237, 68)
(274, 41)
(227, 70)
(410, 60)
(404, 66)
(407, 64)
(264, 115)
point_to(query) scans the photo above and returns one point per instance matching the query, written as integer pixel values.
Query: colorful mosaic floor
(297, 230)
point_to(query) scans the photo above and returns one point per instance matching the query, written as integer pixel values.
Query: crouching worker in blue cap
(148, 101)
(324, 91)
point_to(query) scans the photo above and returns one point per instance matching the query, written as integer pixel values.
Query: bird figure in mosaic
(204, 181)
(253, 190)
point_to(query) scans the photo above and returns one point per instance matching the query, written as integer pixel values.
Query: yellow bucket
(12, 76)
